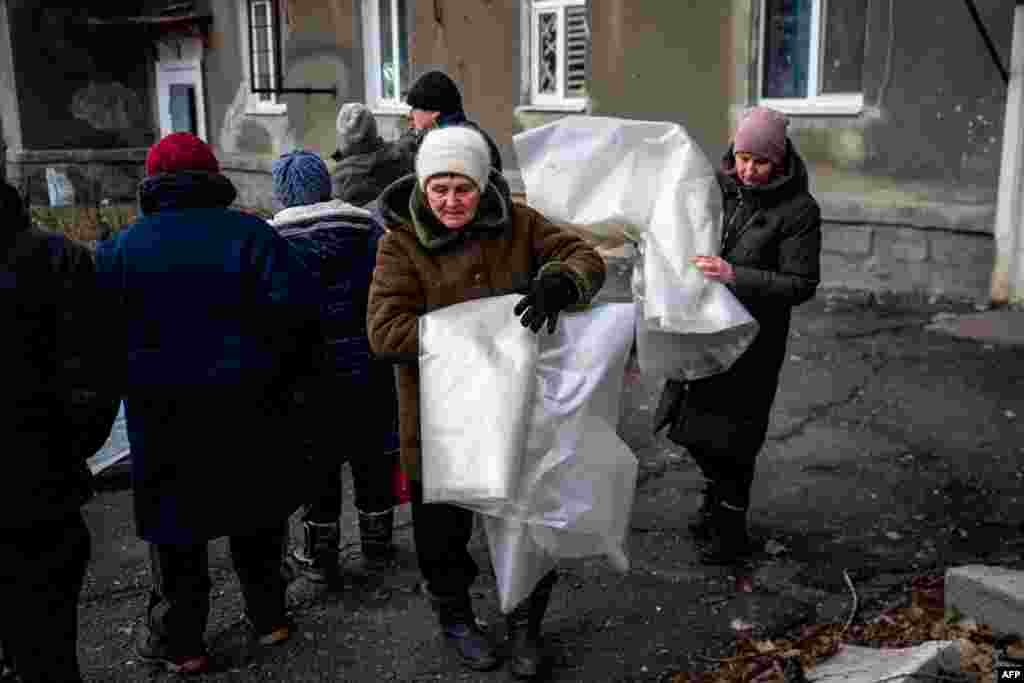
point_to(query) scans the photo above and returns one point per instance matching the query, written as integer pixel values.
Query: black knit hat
(435, 91)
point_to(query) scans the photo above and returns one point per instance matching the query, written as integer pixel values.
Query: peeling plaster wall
(103, 100)
(477, 43)
(318, 52)
(665, 61)
(934, 104)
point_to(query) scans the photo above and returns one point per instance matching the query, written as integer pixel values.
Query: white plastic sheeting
(650, 183)
(521, 428)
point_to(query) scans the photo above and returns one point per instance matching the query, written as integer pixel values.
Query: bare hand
(715, 268)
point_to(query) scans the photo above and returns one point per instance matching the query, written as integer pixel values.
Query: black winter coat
(772, 238)
(57, 404)
(409, 144)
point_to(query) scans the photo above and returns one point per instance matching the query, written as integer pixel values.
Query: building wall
(932, 122)
(104, 99)
(72, 101)
(665, 60)
(319, 51)
(476, 42)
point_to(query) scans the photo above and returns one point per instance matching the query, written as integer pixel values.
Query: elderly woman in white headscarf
(456, 237)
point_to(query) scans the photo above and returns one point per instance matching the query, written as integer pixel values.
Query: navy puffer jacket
(338, 243)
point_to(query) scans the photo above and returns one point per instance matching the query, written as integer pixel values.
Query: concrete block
(846, 239)
(964, 250)
(989, 595)
(901, 244)
(844, 270)
(961, 281)
(856, 664)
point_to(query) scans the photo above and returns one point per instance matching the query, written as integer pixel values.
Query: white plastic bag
(569, 492)
(597, 173)
(477, 366)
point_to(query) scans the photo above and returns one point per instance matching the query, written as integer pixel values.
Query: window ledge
(278, 109)
(389, 109)
(562, 107)
(845, 105)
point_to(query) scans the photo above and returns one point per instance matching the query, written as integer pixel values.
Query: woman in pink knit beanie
(769, 258)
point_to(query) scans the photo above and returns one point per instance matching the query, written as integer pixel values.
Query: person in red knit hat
(181, 152)
(218, 319)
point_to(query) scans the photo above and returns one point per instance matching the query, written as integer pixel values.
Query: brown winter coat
(422, 266)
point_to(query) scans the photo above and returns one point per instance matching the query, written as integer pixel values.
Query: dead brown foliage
(924, 619)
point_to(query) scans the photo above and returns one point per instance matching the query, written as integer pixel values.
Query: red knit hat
(181, 152)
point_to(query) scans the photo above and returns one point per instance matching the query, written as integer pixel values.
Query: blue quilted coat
(338, 243)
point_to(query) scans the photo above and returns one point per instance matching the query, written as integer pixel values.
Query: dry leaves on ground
(766, 661)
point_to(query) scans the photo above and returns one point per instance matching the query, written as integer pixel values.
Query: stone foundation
(928, 249)
(96, 175)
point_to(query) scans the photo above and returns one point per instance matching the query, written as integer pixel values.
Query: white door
(179, 86)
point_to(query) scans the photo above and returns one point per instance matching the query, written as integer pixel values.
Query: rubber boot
(461, 632)
(317, 558)
(376, 530)
(729, 541)
(526, 653)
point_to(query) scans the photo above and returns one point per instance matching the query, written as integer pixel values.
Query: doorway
(179, 84)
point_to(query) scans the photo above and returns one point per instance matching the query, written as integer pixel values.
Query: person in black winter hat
(435, 91)
(436, 103)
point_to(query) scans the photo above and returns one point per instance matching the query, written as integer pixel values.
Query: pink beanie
(762, 132)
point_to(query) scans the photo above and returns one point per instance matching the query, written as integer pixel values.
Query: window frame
(372, 58)
(255, 104)
(810, 104)
(531, 44)
(183, 68)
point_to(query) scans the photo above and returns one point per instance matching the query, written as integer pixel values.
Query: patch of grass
(84, 223)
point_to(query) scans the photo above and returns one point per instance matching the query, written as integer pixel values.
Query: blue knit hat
(301, 178)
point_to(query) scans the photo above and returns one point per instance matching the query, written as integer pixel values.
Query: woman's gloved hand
(548, 296)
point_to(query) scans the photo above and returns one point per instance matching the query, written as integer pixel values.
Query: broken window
(812, 55)
(559, 46)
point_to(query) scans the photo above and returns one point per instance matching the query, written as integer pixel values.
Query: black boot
(461, 632)
(317, 558)
(729, 542)
(375, 532)
(523, 630)
(711, 498)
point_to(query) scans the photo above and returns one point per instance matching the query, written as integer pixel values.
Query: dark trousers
(730, 471)
(372, 477)
(41, 575)
(441, 533)
(179, 602)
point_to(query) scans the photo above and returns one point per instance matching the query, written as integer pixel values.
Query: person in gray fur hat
(366, 163)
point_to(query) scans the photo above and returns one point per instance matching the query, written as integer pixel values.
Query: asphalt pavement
(896, 449)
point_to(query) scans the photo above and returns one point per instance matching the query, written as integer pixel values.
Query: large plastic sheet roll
(477, 383)
(650, 183)
(530, 440)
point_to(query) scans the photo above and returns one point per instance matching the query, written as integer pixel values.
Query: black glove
(549, 296)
